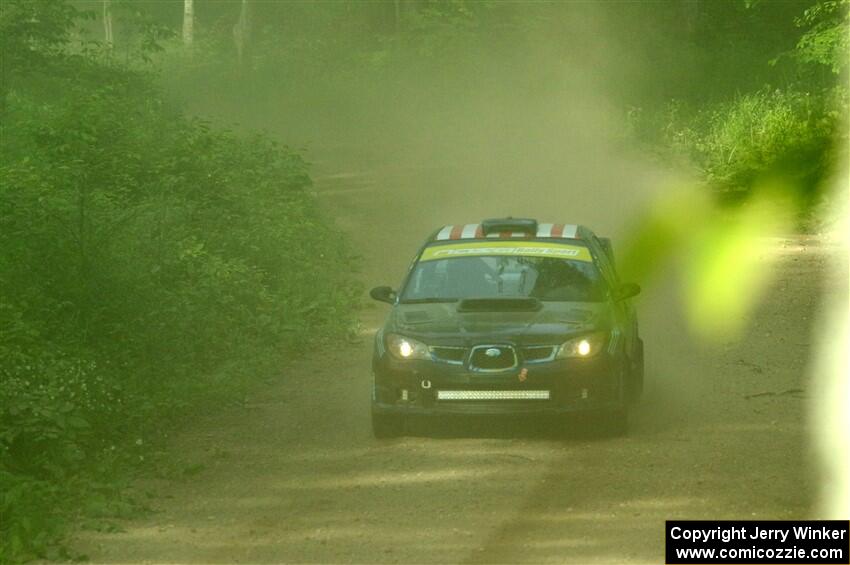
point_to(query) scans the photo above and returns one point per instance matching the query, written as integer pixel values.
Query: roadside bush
(733, 145)
(148, 264)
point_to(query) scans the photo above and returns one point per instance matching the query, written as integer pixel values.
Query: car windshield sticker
(509, 248)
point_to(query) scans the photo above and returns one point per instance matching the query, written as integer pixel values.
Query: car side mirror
(627, 290)
(383, 294)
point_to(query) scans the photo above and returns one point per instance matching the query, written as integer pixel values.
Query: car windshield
(545, 278)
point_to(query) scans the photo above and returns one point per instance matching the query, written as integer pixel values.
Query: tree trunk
(85, 294)
(242, 34)
(107, 23)
(188, 22)
(692, 14)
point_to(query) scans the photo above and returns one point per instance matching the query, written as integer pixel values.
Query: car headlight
(582, 346)
(405, 348)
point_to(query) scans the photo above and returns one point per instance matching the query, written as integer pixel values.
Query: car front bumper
(551, 388)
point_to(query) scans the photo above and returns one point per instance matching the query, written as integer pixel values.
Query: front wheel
(616, 422)
(385, 426)
(635, 379)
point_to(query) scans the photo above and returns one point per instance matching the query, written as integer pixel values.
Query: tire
(635, 381)
(616, 422)
(386, 426)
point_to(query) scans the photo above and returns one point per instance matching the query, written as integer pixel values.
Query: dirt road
(295, 476)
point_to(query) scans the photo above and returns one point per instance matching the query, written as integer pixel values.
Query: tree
(32, 37)
(107, 23)
(242, 33)
(826, 40)
(188, 22)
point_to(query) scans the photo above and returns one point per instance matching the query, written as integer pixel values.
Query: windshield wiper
(429, 300)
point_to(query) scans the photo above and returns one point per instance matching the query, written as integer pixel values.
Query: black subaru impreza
(508, 316)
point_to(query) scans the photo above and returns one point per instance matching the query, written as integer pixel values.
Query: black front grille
(493, 358)
(538, 353)
(448, 354)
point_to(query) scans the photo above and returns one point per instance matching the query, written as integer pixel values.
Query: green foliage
(148, 263)
(770, 132)
(791, 135)
(29, 522)
(33, 32)
(827, 37)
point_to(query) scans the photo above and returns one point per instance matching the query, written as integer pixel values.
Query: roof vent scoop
(499, 305)
(499, 225)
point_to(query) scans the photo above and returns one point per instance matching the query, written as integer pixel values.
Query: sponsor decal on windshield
(507, 248)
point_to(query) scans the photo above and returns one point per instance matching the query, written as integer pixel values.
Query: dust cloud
(525, 121)
(531, 122)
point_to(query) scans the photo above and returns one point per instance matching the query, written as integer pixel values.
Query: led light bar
(492, 395)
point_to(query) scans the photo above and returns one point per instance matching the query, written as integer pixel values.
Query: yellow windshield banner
(507, 248)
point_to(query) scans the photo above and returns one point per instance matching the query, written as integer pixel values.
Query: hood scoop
(416, 317)
(499, 305)
(577, 317)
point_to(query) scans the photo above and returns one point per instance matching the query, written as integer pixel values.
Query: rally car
(508, 316)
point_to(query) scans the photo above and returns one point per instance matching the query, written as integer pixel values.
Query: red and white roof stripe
(474, 231)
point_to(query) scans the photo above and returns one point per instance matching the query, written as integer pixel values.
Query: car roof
(544, 231)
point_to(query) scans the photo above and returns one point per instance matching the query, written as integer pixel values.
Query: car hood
(442, 323)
